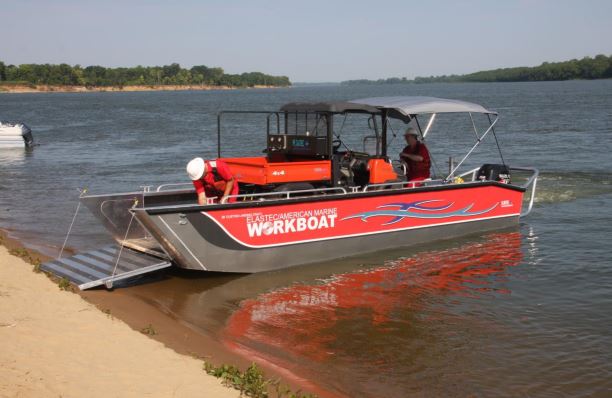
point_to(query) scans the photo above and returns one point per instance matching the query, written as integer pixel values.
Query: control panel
(298, 145)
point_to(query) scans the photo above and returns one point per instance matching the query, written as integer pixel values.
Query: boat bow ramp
(104, 266)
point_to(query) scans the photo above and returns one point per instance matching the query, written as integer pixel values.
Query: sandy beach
(53, 343)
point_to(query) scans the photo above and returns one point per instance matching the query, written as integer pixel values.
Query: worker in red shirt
(212, 179)
(416, 157)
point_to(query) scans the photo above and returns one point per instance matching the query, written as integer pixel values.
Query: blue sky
(309, 41)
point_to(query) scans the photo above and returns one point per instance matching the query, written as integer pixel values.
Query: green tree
(170, 71)
(64, 74)
(11, 73)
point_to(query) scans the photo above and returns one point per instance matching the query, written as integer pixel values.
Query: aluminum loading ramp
(100, 267)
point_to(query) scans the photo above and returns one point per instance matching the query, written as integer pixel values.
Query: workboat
(15, 135)
(312, 197)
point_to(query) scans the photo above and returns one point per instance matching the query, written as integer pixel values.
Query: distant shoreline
(586, 68)
(46, 88)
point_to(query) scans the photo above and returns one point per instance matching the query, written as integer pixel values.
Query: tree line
(599, 67)
(99, 76)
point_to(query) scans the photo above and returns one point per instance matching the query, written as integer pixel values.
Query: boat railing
(325, 190)
(284, 194)
(531, 181)
(471, 175)
(473, 172)
(174, 185)
(401, 185)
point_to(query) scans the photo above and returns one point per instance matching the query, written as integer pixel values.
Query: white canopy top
(420, 105)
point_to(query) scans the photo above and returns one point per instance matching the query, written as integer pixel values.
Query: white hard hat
(411, 131)
(196, 168)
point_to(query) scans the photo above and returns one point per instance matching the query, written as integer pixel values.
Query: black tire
(293, 186)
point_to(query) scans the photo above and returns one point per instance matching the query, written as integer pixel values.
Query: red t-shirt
(214, 187)
(418, 170)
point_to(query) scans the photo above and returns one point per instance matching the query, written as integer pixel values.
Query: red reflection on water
(297, 321)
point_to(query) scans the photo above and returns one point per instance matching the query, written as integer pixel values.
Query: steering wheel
(336, 144)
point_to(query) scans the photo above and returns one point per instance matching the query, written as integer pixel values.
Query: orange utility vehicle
(304, 153)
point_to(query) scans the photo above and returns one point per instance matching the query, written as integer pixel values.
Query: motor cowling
(26, 133)
(494, 172)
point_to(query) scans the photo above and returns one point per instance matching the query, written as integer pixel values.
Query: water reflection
(359, 320)
(14, 156)
(386, 324)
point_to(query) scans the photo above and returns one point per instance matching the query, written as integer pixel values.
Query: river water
(519, 312)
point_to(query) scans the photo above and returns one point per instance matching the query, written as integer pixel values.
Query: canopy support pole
(497, 142)
(474, 126)
(429, 124)
(472, 150)
(383, 138)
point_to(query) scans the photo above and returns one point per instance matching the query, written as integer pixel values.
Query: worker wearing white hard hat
(416, 156)
(212, 180)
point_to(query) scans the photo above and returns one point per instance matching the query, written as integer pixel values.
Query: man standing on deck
(416, 157)
(212, 179)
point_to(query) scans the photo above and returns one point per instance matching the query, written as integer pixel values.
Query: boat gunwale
(156, 210)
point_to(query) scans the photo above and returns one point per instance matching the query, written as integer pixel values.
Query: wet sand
(54, 343)
(135, 306)
(166, 301)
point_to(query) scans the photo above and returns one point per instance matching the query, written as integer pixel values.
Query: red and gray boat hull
(261, 236)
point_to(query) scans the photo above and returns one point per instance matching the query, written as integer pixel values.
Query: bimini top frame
(408, 108)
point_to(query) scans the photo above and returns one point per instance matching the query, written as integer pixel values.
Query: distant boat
(15, 135)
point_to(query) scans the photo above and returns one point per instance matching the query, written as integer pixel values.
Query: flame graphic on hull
(430, 212)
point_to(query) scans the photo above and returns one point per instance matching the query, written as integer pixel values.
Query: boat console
(302, 146)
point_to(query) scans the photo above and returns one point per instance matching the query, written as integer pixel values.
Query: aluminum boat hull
(269, 235)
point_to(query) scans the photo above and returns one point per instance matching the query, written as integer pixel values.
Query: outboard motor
(494, 172)
(26, 133)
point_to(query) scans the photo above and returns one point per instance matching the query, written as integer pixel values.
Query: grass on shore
(25, 255)
(252, 382)
(33, 259)
(148, 330)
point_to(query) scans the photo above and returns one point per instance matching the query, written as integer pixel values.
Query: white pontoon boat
(15, 135)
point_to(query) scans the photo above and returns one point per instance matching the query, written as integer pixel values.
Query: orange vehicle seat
(381, 171)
